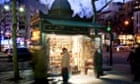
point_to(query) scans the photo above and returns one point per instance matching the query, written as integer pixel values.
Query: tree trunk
(14, 28)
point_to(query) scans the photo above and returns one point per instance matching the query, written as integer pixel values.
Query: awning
(74, 23)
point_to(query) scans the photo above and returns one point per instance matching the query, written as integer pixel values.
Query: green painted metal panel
(73, 23)
(65, 30)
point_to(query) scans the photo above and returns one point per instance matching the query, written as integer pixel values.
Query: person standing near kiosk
(98, 56)
(65, 65)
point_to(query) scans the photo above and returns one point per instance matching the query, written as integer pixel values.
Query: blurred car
(122, 47)
(23, 54)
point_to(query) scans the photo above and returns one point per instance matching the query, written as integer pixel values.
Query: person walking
(137, 64)
(130, 59)
(65, 65)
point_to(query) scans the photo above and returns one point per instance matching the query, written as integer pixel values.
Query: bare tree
(100, 10)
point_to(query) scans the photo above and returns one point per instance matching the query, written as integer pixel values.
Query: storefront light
(35, 35)
(129, 36)
(138, 39)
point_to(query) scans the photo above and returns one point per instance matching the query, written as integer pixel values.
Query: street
(118, 58)
(8, 66)
(120, 72)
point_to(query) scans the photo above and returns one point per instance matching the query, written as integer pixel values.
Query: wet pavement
(120, 74)
(115, 74)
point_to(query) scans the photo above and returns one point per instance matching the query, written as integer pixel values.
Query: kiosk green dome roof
(60, 9)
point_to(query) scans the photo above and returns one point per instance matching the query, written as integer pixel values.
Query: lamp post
(111, 38)
(110, 60)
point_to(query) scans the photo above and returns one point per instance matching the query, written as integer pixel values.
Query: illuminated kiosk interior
(79, 47)
(60, 30)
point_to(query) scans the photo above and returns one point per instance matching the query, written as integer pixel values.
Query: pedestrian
(98, 63)
(130, 59)
(65, 65)
(107, 48)
(137, 64)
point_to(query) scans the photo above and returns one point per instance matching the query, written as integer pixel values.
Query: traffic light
(108, 29)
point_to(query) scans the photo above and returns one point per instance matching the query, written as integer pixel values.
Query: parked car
(23, 54)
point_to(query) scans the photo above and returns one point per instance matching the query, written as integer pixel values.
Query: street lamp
(6, 7)
(126, 22)
(21, 9)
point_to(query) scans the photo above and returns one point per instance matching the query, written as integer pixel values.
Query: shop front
(137, 38)
(66, 34)
(127, 40)
(80, 48)
(56, 34)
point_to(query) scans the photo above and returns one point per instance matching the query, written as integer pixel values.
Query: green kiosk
(57, 29)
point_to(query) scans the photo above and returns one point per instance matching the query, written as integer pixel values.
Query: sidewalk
(119, 74)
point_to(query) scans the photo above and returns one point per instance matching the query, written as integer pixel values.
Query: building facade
(136, 15)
